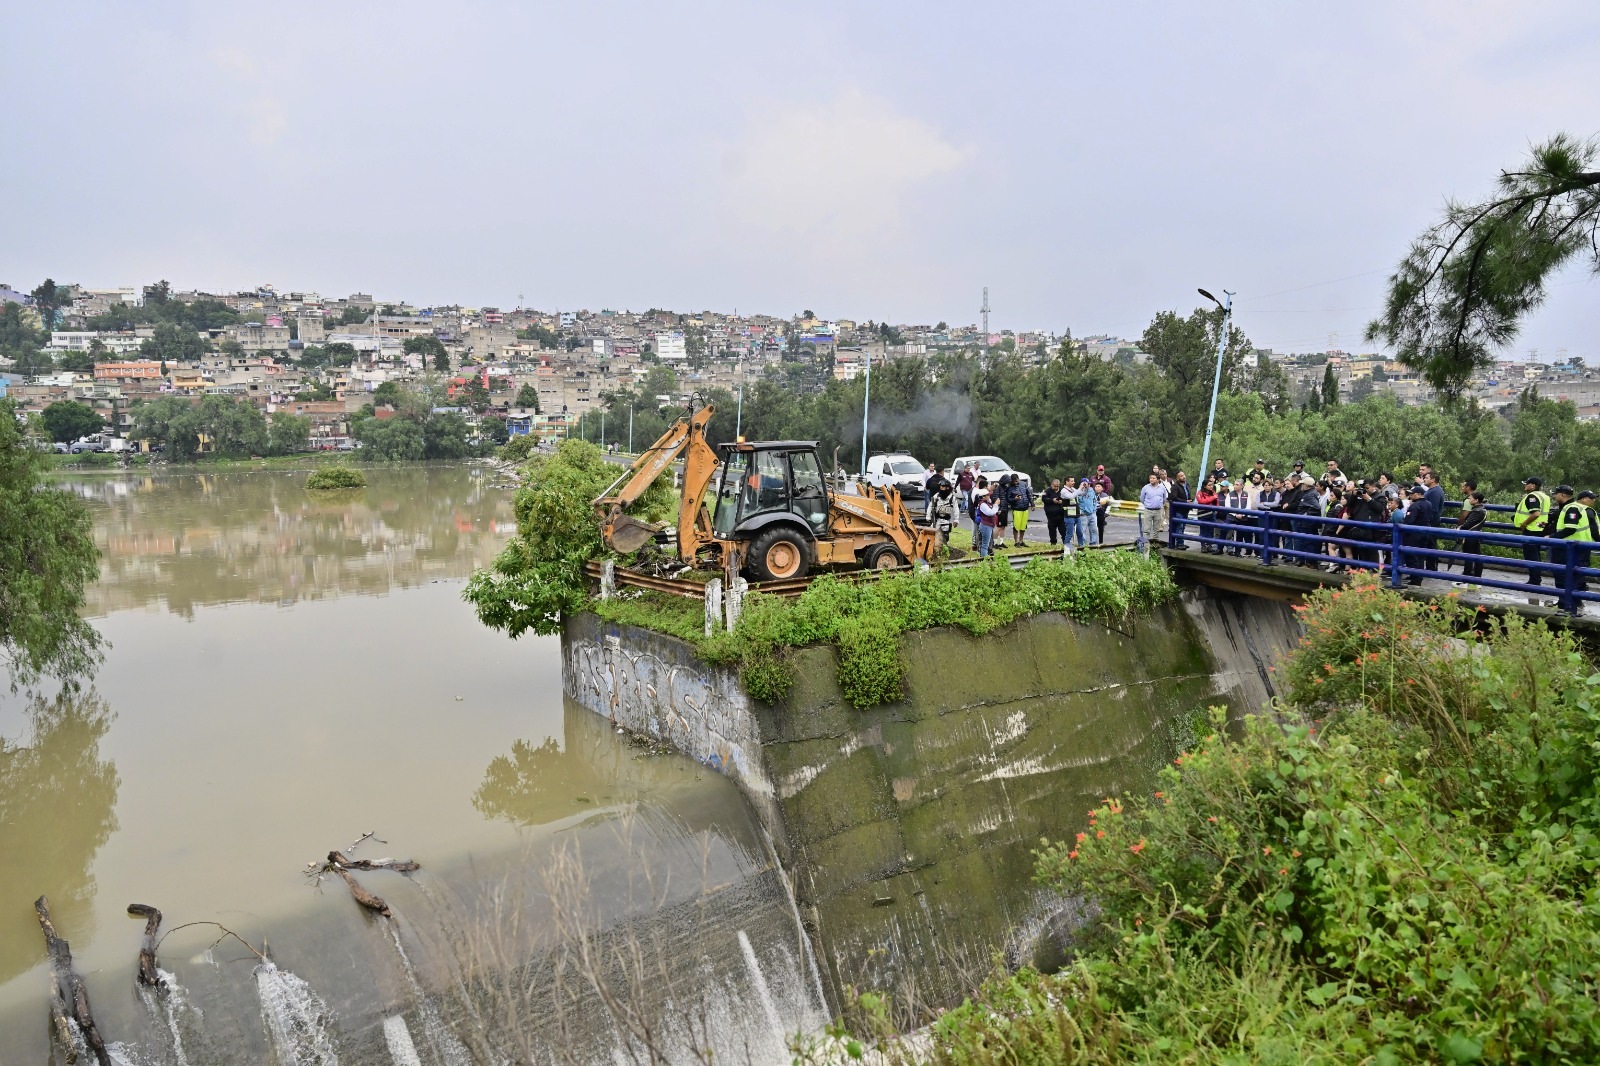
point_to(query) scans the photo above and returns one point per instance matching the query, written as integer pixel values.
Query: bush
(1412, 879)
(865, 619)
(518, 448)
(336, 477)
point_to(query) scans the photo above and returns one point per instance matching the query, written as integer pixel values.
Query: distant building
(141, 368)
(311, 328)
(670, 347)
(254, 337)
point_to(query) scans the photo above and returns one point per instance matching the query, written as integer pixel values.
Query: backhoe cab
(771, 512)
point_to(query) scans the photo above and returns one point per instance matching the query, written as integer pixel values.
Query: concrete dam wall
(907, 830)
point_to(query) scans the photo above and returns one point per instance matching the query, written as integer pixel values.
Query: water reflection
(192, 539)
(57, 807)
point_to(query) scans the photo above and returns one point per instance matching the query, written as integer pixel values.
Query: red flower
(1073, 854)
(1098, 833)
(1266, 851)
(1137, 848)
(1081, 837)
(1283, 871)
(1213, 818)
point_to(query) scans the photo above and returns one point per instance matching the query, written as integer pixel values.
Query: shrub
(336, 477)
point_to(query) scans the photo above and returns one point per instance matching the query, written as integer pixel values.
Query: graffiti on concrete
(700, 710)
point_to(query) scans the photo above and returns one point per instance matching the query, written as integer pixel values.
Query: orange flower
(1098, 833)
(1283, 871)
(1158, 795)
(1213, 818)
(1073, 854)
(1081, 837)
(1266, 851)
(1137, 848)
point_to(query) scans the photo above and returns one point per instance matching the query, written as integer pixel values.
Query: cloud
(846, 165)
(266, 119)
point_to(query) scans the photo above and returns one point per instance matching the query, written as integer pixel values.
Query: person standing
(1419, 516)
(1000, 496)
(1100, 480)
(964, 482)
(1435, 497)
(942, 511)
(1152, 501)
(1102, 511)
(988, 521)
(1020, 495)
(1054, 514)
(1087, 525)
(1532, 518)
(1566, 521)
(1206, 499)
(1178, 501)
(1473, 518)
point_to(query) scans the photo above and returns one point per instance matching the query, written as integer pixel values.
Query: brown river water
(288, 671)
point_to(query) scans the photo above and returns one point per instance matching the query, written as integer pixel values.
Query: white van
(902, 471)
(990, 466)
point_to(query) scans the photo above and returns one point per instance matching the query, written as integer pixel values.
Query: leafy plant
(336, 477)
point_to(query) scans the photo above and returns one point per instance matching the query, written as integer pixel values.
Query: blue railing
(1398, 553)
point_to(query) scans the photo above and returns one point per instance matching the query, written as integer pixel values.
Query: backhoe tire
(883, 557)
(779, 555)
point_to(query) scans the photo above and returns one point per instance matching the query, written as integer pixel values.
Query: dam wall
(907, 830)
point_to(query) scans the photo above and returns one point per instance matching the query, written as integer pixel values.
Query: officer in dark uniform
(1575, 527)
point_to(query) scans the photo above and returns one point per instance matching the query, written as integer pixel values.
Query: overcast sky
(1090, 163)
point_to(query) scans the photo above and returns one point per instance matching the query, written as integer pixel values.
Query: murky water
(288, 673)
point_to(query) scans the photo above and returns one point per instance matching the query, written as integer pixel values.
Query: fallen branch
(69, 999)
(362, 896)
(400, 866)
(148, 974)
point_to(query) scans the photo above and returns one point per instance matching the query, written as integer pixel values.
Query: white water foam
(298, 1022)
(398, 1037)
(447, 1047)
(758, 981)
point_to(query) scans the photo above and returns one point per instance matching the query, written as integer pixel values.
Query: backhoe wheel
(779, 555)
(884, 557)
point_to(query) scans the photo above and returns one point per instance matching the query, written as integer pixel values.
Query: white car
(990, 466)
(902, 471)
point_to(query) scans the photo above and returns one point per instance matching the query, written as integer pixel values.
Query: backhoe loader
(771, 513)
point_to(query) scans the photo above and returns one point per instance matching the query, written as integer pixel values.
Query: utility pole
(984, 311)
(1216, 381)
(738, 417)
(866, 406)
(630, 428)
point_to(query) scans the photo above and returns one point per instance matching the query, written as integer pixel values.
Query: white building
(670, 347)
(120, 343)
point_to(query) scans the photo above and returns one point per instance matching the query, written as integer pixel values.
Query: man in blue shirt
(1152, 501)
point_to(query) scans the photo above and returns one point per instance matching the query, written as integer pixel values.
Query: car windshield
(901, 466)
(989, 462)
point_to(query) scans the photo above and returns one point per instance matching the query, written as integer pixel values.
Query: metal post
(866, 405)
(1569, 577)
(630, 429)
(738, 414)
(602, 429)
(1395, 580)
(1266, 538)
(1216, 381)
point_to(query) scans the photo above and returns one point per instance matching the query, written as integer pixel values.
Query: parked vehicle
(88, 444)
(990, 466)
(897, 470)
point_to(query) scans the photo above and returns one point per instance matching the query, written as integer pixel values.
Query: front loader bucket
(626, 534)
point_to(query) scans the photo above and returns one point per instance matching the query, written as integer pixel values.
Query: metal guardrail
(1382, 547)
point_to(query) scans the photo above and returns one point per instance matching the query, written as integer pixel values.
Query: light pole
(630, 428)
(866, 405)
(738, 417)
(1216, 382)
(602, 429)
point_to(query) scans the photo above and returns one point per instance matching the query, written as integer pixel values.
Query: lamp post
(866, 406)
(630, 428)
(1216, 381)
(738, 416)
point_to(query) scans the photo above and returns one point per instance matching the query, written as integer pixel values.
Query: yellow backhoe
(771, 512)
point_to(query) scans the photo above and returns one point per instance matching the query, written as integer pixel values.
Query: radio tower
(984, 310)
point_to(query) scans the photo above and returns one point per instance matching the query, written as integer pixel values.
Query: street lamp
(866, 406)
(1216, 382)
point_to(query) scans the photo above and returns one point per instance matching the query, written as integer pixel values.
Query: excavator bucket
(624, 533)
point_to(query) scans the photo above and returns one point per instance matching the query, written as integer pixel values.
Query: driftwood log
(399, 866)
(69, 999)
(362, 896)
(148, 975)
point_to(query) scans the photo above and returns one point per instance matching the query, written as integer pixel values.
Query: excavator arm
(687, 438)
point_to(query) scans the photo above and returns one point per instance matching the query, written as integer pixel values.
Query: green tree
(391, 439)
(158, 294)
(1184, 352)
(441, 362)
(544, 336)
(47, 556)
(174, 344)
(33, 361)
(387, 394)
(68, 420)
(528, 398)
(288, 433)
(473, 395)
(47, 300)
(1330, 387)
(351, 316)
(1465, 285)
(428, 347)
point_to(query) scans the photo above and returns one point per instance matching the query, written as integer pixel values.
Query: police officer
(1531, 520)
(1575, 524)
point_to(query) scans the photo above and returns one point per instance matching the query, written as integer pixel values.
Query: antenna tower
(984, 310)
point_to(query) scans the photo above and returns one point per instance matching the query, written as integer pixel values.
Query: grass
(864, 620)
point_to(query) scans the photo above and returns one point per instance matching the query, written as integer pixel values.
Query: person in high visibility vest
(1578, 525)
(1532, 519)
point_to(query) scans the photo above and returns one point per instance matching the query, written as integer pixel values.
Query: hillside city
(519, 371)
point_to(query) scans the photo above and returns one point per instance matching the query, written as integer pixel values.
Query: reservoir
(289, 671)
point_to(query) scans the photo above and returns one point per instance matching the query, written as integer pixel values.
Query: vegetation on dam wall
(865, 620)
(1397, 866)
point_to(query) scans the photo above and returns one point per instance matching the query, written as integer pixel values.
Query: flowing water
(289, 672)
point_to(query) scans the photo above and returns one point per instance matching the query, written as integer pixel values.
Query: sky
(1091, 164)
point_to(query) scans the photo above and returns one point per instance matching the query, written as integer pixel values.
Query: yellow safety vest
(1533, 513)
(1575, 522)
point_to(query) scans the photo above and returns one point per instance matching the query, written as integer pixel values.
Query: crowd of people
(1362, 512)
